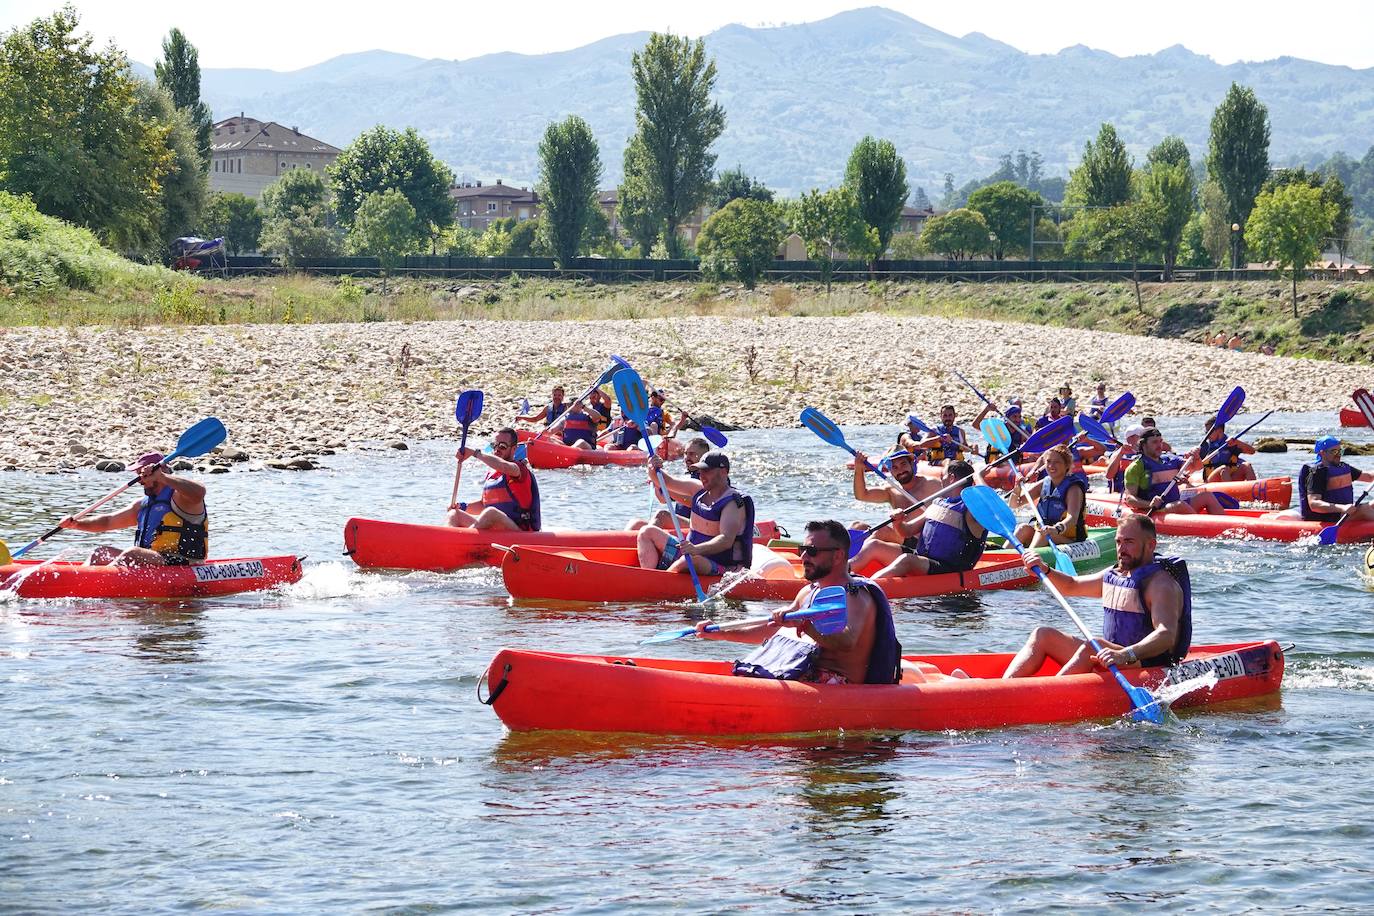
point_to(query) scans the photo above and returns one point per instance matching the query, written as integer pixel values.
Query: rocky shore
(74, 397)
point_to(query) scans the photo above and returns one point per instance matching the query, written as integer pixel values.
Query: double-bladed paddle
(196, 441)
(993, 514)
(1118, 408)
(634, 403)
(1229, 408)
(1327, 535)
(828, 431)
(997, 434)
(829, 611)
(616, 365)
(466, 410)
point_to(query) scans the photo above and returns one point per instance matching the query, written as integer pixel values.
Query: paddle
(1117, 409)
(1229, 408)
(825, 428)
(828, 611)
(1237, 435)
(1327, 536)
(1048, 436)
(1096, 431)
(616, 365)
(466, 409)
(634, 403)
(993, 514)
(713, 435)
(196, 441)
(997, 434)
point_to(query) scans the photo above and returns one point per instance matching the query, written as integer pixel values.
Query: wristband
(1131, 657)
(463, 506)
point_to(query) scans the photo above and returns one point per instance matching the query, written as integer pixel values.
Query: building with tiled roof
(476, 207)
(247, 155)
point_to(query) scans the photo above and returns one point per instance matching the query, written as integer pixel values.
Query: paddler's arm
(109, 521)
(731, 526)
(1245, 448)
(1164, 597)
(509, 468)
(189, 495)
(757, 633)
(1135, 476)
(1076, 586)
(534, 417)
(861, 491)
(681, 490)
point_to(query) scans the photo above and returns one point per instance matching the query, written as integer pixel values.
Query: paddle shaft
(1236, 436)
(458, 472)
(1183, 469)
(563, 417)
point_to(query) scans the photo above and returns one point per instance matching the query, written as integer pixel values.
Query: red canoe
(376, 544)
(549, 690)
(68, 579)
(1236, 523)
(1351, 416)
(547, 454)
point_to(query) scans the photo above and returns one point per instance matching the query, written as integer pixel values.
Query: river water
(321, 748)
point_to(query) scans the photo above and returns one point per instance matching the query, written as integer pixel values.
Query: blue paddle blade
(829, 609)
(468, 407)
(715, 436)
(1095, 430)
(630, 393)
(525, 406)
(1118, 408)
(1231, 406)
(1062, 561)
(617, 364)
(199, 439)
(1050, 435)
(993, 514)
(996, 433)
(1327, 536)
(915, 421)
(822, 426)
(521, 453)
(669, 636)
(1145, 706)
(857, 537)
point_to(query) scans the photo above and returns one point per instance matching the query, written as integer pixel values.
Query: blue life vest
(553, 412)
(939, 452)
(1096, 406)
(1054, 503)
(946, 538)
(1125, 618)
(1162, 474)
(1333, 483)
(741, 552)
(518, 500)
(885, 658)
(161, 528)
(579, 427)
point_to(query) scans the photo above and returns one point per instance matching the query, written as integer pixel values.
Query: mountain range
(797, 98)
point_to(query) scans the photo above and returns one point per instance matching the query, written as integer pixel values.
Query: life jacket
(885, 658)
(1162, 474)
(579, 427)
(553, 411)
(1117, 482)
(1054, 503)
(741, 552)
(163, 529)
(1225, 456)
(1333, 483)
(518, 499)
(1096, 406)
(946, 537)
(939, 452)
(1125, 618)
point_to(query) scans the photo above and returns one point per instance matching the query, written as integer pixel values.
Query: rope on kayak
(495, 691)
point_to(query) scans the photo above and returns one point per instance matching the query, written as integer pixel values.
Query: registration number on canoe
(1010, 574)
(218, 572)
(1083, 550)
(1224, 667)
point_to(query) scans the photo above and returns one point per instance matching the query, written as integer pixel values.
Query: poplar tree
(877, 176)
(1238, 152)
(570, 170)
(179, 73)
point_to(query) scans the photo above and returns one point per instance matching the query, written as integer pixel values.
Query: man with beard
(1147, 610)
(943, 538)
(866, 651)
(721, 525)
(914, 488)
(170, 521)
(1152, 480)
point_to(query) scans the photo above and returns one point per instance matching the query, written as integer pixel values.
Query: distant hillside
(797, 98)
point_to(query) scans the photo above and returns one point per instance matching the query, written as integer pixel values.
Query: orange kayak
(1351, 416)
(596, 574)
(376, 544)
(548, 454)
(70, 579)
(1236, 523)
(1268, 491)
(549, 690)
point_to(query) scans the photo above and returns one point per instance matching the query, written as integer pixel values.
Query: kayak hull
(546, 454)
(66, 579)
(545, 690)
(1351, 416)
(1236, 523)
(377, 544)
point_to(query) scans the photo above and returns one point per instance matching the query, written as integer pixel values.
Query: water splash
(1168, 692)
(337, 580)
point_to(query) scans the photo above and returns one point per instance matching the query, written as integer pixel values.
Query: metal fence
(606, 270)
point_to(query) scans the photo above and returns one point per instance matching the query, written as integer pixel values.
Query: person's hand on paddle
(463, 454)
(703, 632)
(69, 523)
(1111, 655)
(860, 459)
(1031, 560)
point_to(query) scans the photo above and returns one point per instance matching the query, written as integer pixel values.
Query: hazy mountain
(798, 97)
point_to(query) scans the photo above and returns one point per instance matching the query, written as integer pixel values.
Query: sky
(288, 36)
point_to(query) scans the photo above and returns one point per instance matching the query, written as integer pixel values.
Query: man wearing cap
(721, 526)
(1152, 480)
(628, 434)
(1326, 487)
(913, 487)
(169, 521)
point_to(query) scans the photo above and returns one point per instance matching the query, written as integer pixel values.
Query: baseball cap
(149, 460)
(1136, 430)
(712, 460)
(1326, 442)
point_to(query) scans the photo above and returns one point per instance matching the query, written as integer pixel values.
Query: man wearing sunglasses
(866, 651)
(1326, 487)
(510, 495)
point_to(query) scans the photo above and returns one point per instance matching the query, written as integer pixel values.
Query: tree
(1166, 183)
(920, 201)
(877, 176)
(1287, 226)
(296, 218)
(179, 73)
(186, 187)
(675, 125)
(1238, 151)
(71, 136)
(956, 235)
(827, 220)
(570, 170)
(741, 239)
(1333, 192)
(1127, 232)
(1216, 228)
(381, 159)
(385, 226)
(234, 218)
(733, 184)
(1103, 177)
(906, 246)
(1006, 208)
(494, 241)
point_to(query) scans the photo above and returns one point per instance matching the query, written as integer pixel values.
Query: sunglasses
(807, 550)
(496, 445)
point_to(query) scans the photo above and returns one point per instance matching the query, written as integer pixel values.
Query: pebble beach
(99, 396)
